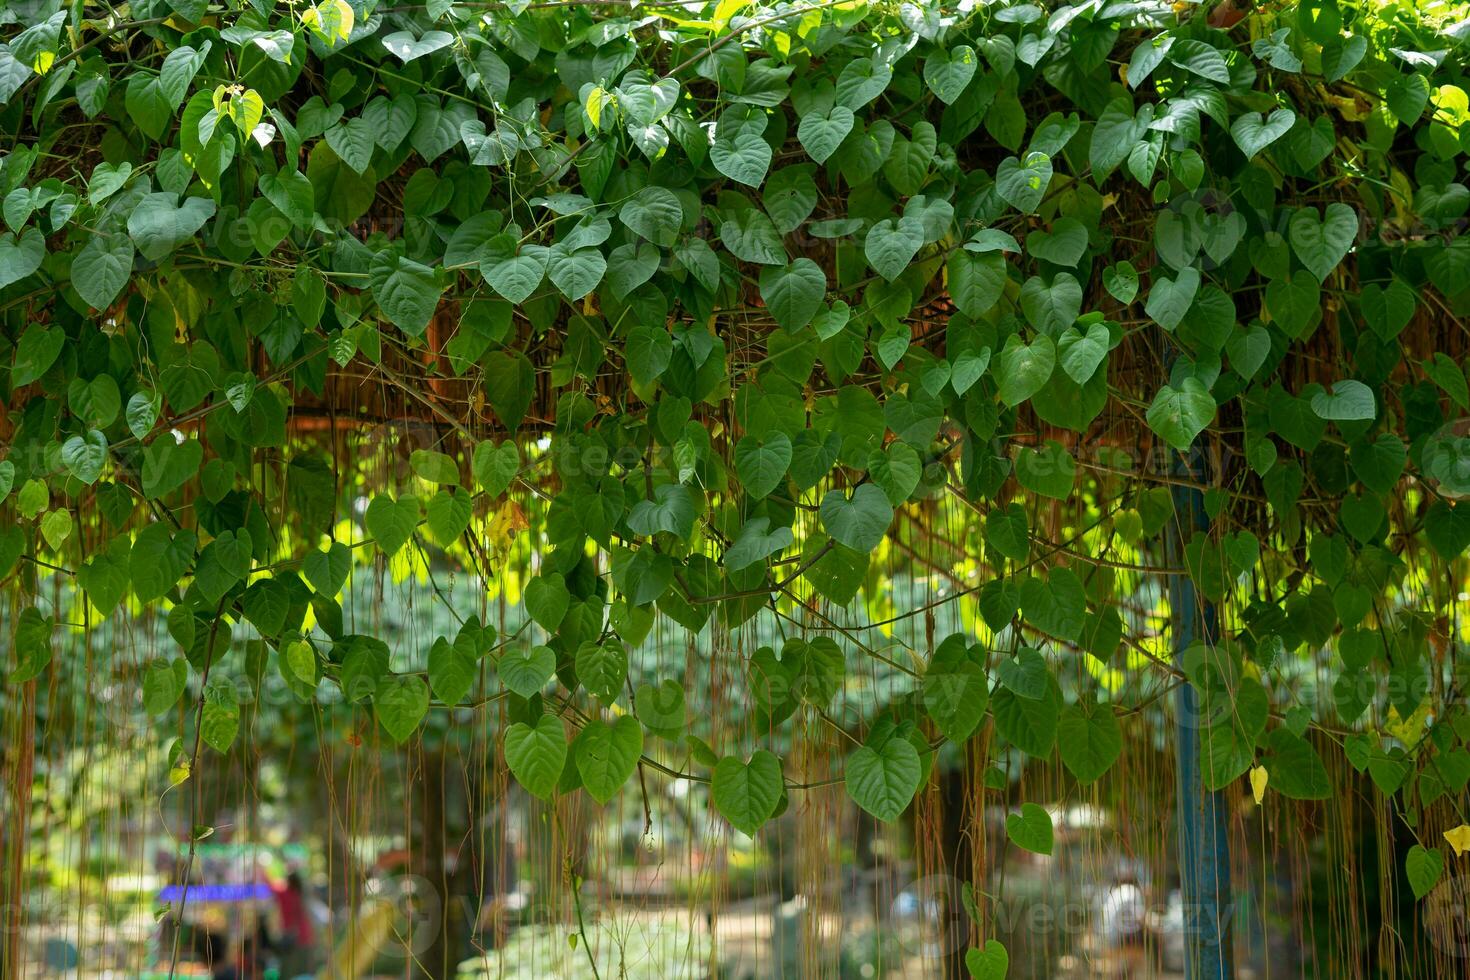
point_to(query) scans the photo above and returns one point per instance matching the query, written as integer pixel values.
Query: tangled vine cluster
(727, 296)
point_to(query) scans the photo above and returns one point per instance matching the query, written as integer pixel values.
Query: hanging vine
(707, 306)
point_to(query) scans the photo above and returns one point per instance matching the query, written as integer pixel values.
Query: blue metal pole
(1204, 843)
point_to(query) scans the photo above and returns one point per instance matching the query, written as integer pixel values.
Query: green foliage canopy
(735, 291)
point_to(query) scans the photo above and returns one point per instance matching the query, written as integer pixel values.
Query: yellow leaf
(344, 19)
(1411, 729)
(56, 528)
(505, 526)
(301, 661)
(330, 20)
(247, 109)
(1349, 108)
(726, 10)
(1459, 839)
(1259, 776)
(593, 104)
(1451, 106)
(809, 22)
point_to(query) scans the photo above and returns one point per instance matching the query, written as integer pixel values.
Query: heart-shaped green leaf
(891, 245)
(860, 521)
(407, 292)
(536, 754)
(20, 256)
(1022, 183)
(1064, 245)
(391, 522)
(219, 719)
(747, 794)
(1052, 308)
(956, 691)
(990, 963)
(1388, 309)
(515, 276)
(1180, 414)
(1321, 243)
(1170, 299)
(452, 668)
(163, 682)
(947, 73)
(1030, 828)
(756, 541)
(105, 579)
(653, 213)
(38, 349)
(1248, 349)
(1088, 740)
(495, 467)
(884, 780)
(1423, 867)
(1254, 132)
(448, 515)
(1347, 401)
(976, 280)
(102, 267)
(327, 570)
(399, 704)
(1081, 354)
(575, 271)
(762, 464)
(161, 222)
(1049, 471)
(1121, 281)
(84, 456)
(1021, 370)
(404, 46)
(629, 266)
(607, 754)
(547, 600)
(896, 471)
(525, 670)
(794, 293)
(603, 669)
(744, 157)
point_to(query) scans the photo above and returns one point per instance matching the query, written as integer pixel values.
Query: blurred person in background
(297, 936)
